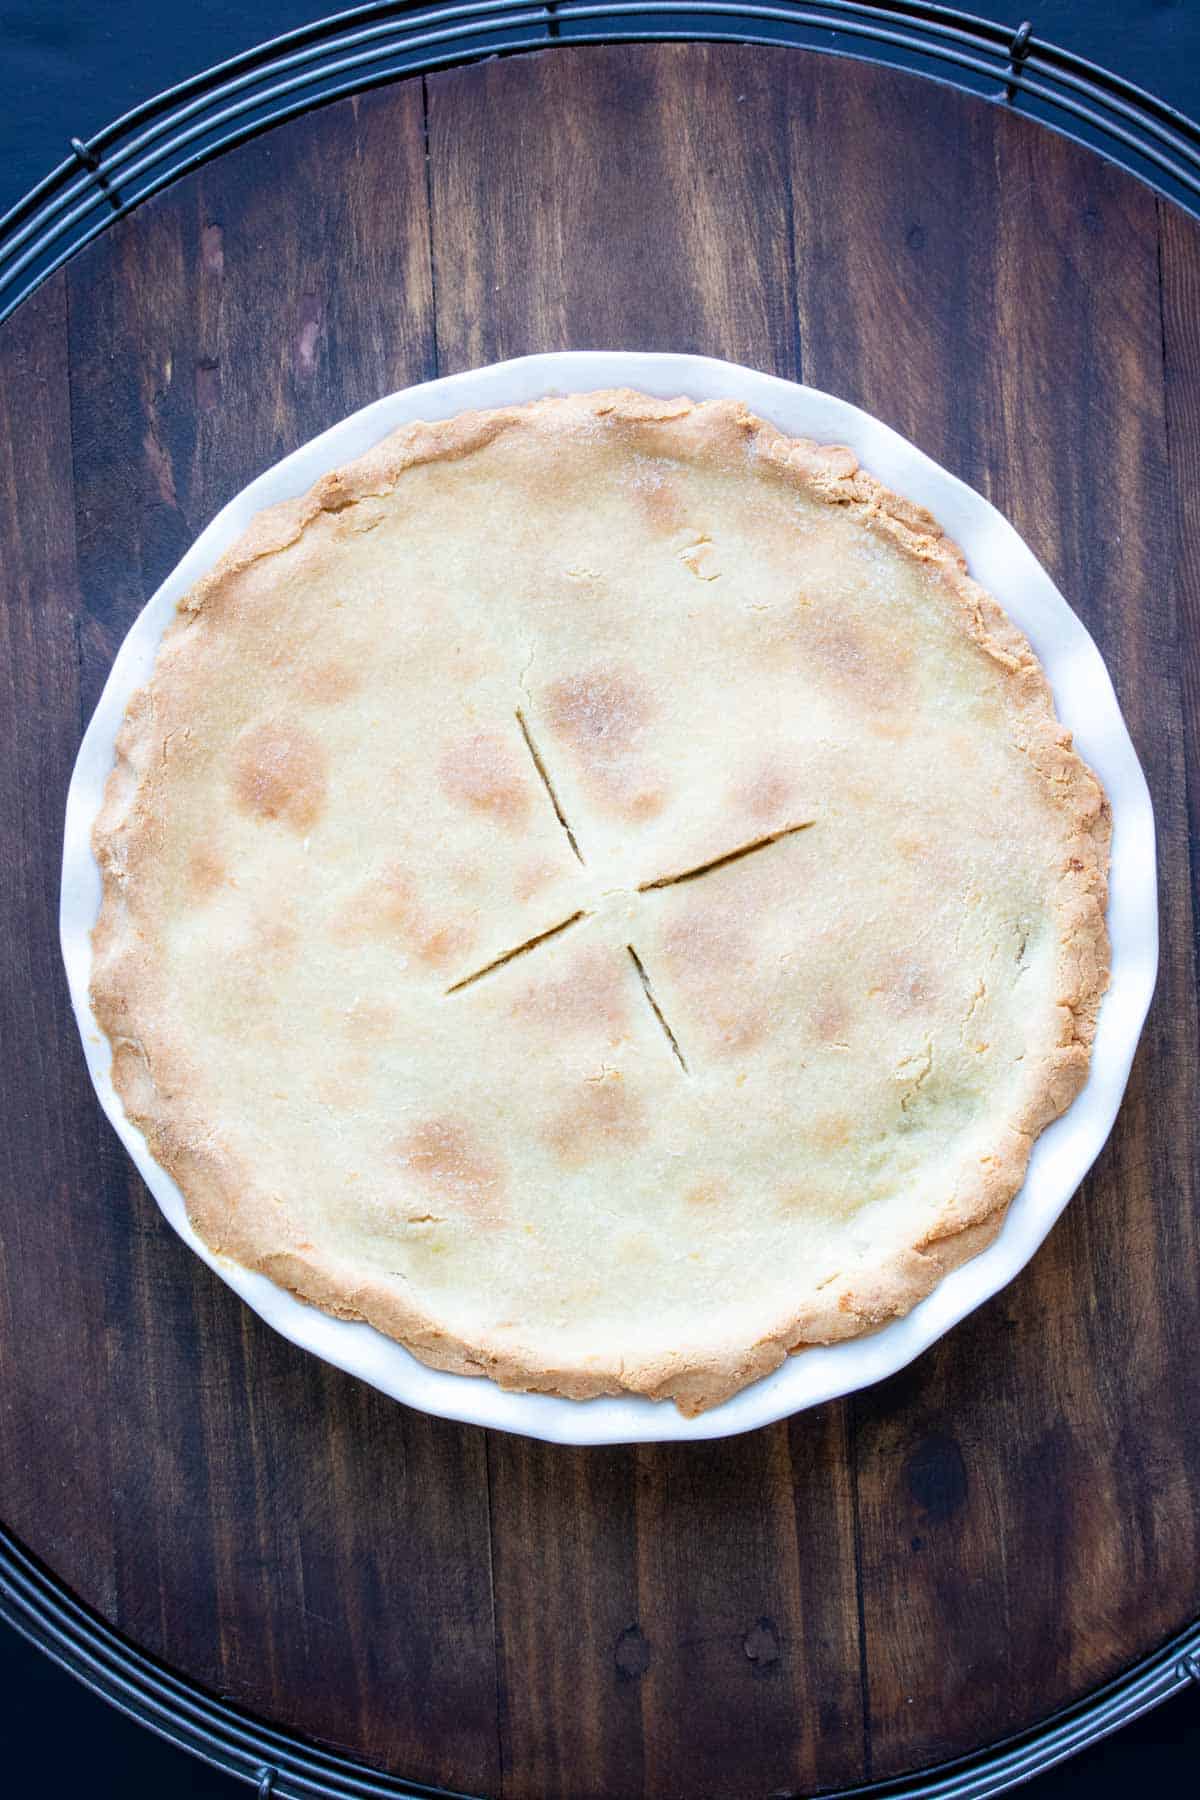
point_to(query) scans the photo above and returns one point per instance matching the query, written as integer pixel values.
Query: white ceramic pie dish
(1086, 703)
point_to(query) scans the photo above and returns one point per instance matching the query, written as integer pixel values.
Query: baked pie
(597, 891)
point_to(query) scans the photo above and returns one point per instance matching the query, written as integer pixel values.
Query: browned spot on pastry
(831, 1019)
(328, 683)
(275, 940)
(830, 1131)
(864, 664)
(709, 953)
(604, 1117)
(369, 1022)
(603, 716)
(445, 942)
(206, 871)
(592, 996)
(393, 900)
(658, 501)
(768, 792)
(867, 665)
(704, 1194)
(913, 849)
(532, 878)
(641, 800)
(905, 989)
(482, 774)
(737, 1028)
(449, 1160)
(391, 906)
(279, 773)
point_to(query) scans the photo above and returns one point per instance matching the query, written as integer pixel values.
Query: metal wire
(178, 130)
(284, 1768)
(140, 153)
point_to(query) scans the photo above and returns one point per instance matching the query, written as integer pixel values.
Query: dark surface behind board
(875, 1584)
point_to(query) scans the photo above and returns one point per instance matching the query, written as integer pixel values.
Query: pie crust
(595, 890)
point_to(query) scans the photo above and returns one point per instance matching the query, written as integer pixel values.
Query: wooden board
(877, 1584)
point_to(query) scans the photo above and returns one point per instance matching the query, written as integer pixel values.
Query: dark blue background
(68, 69)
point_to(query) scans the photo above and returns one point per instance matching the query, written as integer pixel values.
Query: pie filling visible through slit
(595, 890)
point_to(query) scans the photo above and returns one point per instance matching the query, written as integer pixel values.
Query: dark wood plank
(613, 199)
(1181, 370)
(1032, 1530)
(52, 1236)
(285, 1535)
(723, 1571)
(894, 278)
(747, 1563)
(571, 1652)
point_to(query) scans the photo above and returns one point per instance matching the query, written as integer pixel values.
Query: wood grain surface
(877, 1584)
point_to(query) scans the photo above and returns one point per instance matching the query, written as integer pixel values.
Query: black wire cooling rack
(122, 165)
(107, 176)
(285, 1768)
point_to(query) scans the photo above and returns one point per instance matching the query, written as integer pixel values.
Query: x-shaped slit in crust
(645, 887)
(655, 1008)
(727, 856)
(532, 943)
(540, 766)
(557, 931)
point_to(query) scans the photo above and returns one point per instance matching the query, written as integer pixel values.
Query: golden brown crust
(254, 1228)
